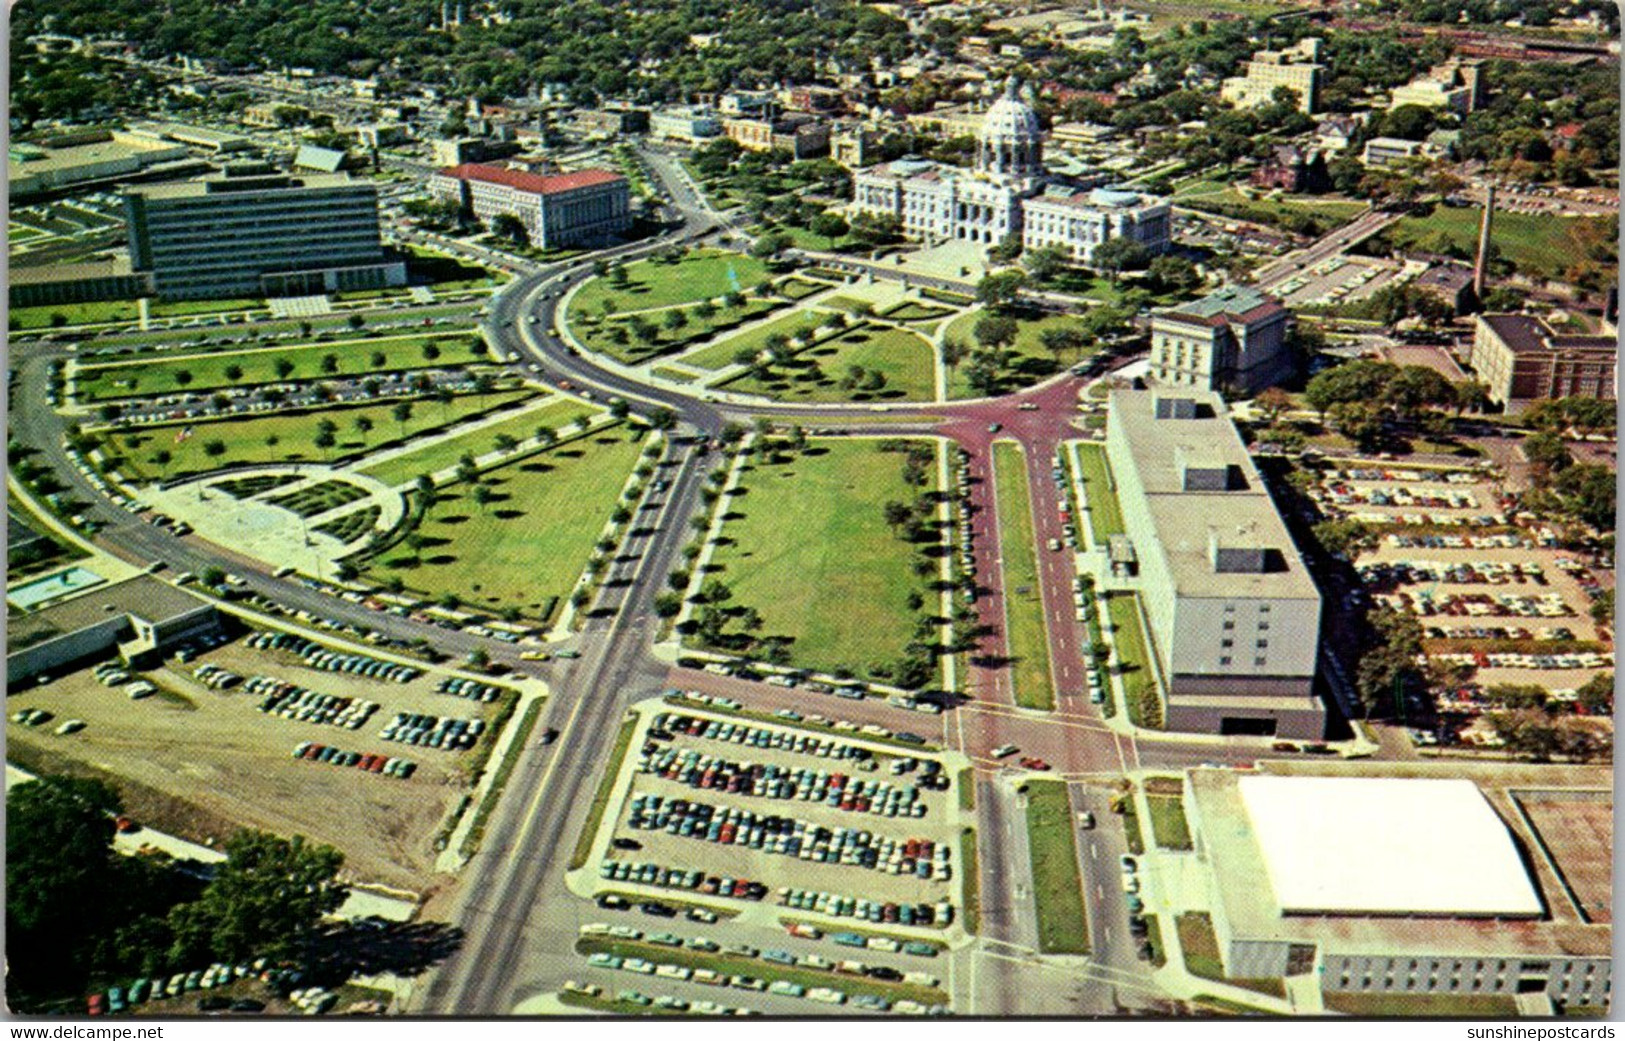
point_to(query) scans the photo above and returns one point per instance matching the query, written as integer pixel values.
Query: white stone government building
(1009, 193)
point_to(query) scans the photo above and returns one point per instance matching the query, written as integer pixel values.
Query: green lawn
(1134, 658)
(808, 547)
(1418, 1006)
(1028, 361)
(720, 355)
(905, 359)
(444, 454)
(1026, 637)
(1200, 948)
(526, 548)
(1295, 212)
(1099, 492)
(970, 882)
(209, 371)
(290, 438)
(1168, 824)
(675, 375)
(1543, 245)
(1057, 882)
(702, 275)
(800, 288)
(598, 333)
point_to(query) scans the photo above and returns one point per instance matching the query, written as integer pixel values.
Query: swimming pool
(35, 592)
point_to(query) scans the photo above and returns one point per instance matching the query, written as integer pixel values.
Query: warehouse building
(1233, 615)
(73, 159)
(255, 233)
(1396, 885)
(558, 210)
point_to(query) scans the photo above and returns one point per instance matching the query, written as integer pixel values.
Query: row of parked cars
(665, 1001)
(667, 725)
(426, 731)
(389, 766)
(1057, 473)
(790, 837)
(768, 781)
(119, 999)
(678, 878)
(318, 657)
(839, 906)
(784, 988)
(215, 677)
(473, 690)
(291, 701)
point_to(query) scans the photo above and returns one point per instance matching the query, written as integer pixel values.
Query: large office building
(1523, 360)
(1456, 86)
(1234, 617)
(1415, 887)
(1008, 193)
(1233, 339)
(1297, 68)
(558, 210)
(253, 233)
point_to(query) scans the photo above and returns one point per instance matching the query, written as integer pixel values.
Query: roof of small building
(529, 182)
(1524, 334)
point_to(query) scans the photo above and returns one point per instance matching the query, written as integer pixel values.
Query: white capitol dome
(1011, 139)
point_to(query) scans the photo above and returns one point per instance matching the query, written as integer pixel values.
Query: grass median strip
(736, 965)
(1168, 823)
(600, 799)
(527, 723)
(1057, 880)
(1134, 660)
(1105, 514)
(1026, 638)
(970, 882)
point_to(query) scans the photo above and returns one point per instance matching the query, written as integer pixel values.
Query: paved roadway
(1330, 245)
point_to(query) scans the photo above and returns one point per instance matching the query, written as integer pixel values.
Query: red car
(1034, 764)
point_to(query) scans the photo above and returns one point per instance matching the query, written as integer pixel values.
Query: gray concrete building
(252, 233)
(136, 617)
(1233, 614)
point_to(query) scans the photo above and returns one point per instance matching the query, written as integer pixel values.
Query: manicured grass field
(1057, 882)
(809, 548)
(1200, 948)
(1441, 1006)
(209, 371)
(1168, 824)
(1026, 638)
(800, 288)
(443, 455)
(904, 358)
(1029, 361)
(1105, 513)
(720, 355)
(702, 275)
(970, 899)
(675, 375)
(1139, 684)
(526, 548)
(318, 498)
(1226, 200)
(1538, 244)
(290, 438)
(599, 334)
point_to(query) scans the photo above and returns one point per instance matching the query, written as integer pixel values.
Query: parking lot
(1339, 280)
(204, 749)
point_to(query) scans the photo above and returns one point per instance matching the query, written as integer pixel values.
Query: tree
(1045, 262)
(771, 246)
(214, 448)
(1596, 695)
(1359, 422)
(377, 359)
(356, 321)
(1415, 387)
(668, 604)
(483, 496)
(506, 442)
(1470, 396)
(1355, 381)
(1060, 340)
(953, 352)
(161, 459)
(1547, 452)
(1345, 538)
(1602, 608)
(829, 226)
(330, 364)
(507, 226)
(431, 351)
(267, 899)
(995, 331)
(402, 411)
(234, 372)
(662, 418)
(1115, 256)
(1174, 274)
(284, 368)
(1272, 403)
(896, 514)
(1001, 290)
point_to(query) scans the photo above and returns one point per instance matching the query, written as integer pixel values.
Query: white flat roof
(1390, 846)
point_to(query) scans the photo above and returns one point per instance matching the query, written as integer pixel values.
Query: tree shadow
(367, 947)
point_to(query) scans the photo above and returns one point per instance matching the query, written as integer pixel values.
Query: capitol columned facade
(1009, 192)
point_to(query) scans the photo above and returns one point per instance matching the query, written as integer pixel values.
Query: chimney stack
(1481, 269)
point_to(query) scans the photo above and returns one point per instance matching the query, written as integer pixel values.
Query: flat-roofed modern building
(1297, 68)
(1232, 339)
(1410, 885)
(1523, 360)
(139, 616)
(558, 210)
(1234, 617)
(251, 233)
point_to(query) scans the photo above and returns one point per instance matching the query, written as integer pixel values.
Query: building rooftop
(27, 159)
(529, 182)
(1193, 523)
(113, 267)
(1371, 835)
(1385, 845)
(1231, 303)
(144, 596)
(1523, 334)
(226, 185)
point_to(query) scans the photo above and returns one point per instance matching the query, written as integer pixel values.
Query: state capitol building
(1009, 193)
